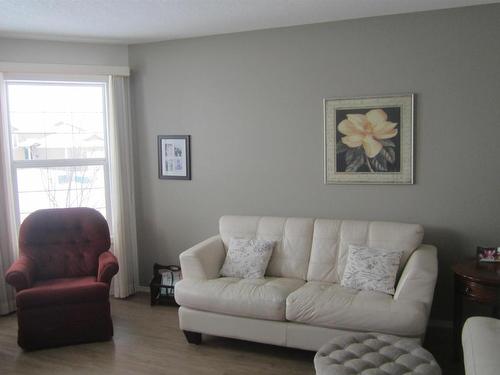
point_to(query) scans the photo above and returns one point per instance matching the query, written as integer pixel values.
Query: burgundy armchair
(62, 278)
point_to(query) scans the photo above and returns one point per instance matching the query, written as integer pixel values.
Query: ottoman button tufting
(373, 353)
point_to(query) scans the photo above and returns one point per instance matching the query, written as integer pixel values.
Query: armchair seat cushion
(331, 305)
(262, 298)
(63, 291)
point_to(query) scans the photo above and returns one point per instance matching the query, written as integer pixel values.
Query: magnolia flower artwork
(369, 140)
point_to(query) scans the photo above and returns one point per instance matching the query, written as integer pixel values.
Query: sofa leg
(193, 337)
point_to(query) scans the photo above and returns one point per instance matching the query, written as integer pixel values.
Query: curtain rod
(34, 68)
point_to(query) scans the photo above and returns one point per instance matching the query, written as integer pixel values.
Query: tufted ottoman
(374, 354)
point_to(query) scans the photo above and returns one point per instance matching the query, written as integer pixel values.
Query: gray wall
(253, 105)
(47, 52)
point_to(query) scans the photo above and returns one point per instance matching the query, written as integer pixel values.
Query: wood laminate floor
(148, 341)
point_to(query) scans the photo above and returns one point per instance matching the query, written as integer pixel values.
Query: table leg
(153, 296)
(457, 325)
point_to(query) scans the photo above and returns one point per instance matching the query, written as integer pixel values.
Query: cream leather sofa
(300, 302)
(480, 341)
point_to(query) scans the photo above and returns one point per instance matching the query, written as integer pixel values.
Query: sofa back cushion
(293, 237)
(64, 242)
(332, 238)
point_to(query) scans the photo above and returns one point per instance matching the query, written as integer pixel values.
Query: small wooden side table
(161, 293)
(477, 282)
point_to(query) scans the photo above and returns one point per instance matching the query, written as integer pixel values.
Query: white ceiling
(136, 21)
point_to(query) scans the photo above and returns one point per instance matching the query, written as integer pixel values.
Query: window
(58, 138)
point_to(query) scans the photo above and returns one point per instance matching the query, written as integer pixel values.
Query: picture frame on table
(488, 254)
(174, 157)
(369, 140)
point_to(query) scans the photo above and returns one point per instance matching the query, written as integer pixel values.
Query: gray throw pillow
(247, 258)
(371, 269)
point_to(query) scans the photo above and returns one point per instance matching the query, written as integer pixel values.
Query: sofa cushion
(247, 258)
(63, 291)
(331, 305)
(371, 269)
(481, 340)
(293, 237)
(263, 298)
(332, 238)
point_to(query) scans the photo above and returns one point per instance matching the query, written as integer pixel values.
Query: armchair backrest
(64, 242)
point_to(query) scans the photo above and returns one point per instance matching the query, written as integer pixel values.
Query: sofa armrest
(480, 341)
(419, 277)
(108, 267)
(21, 275)
(204, 260)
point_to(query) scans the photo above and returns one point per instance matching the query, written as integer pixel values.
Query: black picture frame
(174, 157)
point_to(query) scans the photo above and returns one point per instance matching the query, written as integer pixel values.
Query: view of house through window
(58, 144)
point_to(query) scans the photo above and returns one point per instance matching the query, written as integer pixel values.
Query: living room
(302, 132)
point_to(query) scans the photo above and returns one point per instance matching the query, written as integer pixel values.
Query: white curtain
(8, 230)
(124, 237)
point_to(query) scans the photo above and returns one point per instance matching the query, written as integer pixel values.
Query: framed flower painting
(369, 140)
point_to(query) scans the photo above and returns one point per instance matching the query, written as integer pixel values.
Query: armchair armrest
(419, 277)
(204, 260)
(21, 275)
(108, 267)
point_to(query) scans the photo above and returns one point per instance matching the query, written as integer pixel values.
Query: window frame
(70, 80)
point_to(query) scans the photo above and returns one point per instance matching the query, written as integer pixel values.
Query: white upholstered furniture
(374, 353)
(300, 302)
(481, 342)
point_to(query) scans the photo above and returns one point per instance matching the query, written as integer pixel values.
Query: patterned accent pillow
(371, 269)
(247, 258)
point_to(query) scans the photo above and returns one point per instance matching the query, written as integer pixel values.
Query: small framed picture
(369, 140)
(488, 254)
(174, 157)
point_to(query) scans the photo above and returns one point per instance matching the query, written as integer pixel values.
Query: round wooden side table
(478, 282)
